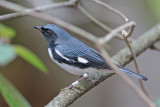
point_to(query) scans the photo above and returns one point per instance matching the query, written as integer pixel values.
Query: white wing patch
(82, 60)
(61, 55)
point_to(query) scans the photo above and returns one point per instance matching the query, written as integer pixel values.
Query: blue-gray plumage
(73, 55)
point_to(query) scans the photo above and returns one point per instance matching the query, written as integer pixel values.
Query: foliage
(7, 32)
(8, 53)
(154, 5)
(157, 102)
(30, 57)
(11, 94)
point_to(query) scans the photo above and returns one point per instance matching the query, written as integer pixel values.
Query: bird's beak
(38, 27)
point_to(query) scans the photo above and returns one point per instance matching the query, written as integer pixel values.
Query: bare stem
(112, 9)
(93, 19)
(139, 92)
(114, 32)
(126, 79)
(130, 32)
(99, 23)
(24, 11)
(135, 62)
(18, 8)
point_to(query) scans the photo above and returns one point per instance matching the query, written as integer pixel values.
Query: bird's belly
(77, 71)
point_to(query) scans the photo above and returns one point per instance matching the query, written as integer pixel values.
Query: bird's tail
(133, 73)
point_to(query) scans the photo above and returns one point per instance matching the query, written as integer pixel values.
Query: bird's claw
(66, 88)
(70, 87)
(84, 76)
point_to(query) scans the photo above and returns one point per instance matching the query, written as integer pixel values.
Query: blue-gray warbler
(73, 55)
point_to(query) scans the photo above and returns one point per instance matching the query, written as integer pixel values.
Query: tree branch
(126, 79)
(99, 23)
(24, 11)
(145, 41)
(123, 57)
(112, 34)
(18, 8)
(125, 35)
(112, 9)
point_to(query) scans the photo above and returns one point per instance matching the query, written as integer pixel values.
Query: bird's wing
(85, 57)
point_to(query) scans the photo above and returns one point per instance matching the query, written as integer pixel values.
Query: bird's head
(53, 34)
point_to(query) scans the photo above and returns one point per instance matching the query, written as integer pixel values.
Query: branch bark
(123, 57)
(18, 8)
(24, 11)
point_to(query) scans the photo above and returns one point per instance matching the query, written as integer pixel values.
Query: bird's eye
(48, 32)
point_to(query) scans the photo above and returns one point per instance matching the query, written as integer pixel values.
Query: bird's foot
(72, 87)
(66, 88)
(84, 76)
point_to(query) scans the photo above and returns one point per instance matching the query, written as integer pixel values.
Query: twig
(130, 32)
(121, 38)
(127, 80)
(109, 36)
(145, 41)
(93, 19)
(100, 24)
(112, 9)
(133, 86)
(18, 8)
(24, 12)
(125, 35)
(123, 57)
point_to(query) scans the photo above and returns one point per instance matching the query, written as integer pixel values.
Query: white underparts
(82, 60)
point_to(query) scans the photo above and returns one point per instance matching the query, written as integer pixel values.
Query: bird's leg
(85, 75)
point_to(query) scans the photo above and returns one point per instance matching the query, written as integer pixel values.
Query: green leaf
(11, 94)
(30, 57)
(7, 31)
(154, 7)
(7, 54)
(157, 102)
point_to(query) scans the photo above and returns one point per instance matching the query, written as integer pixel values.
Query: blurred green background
(39, 88)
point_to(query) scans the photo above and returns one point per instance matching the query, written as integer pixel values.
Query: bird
(75, 56)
